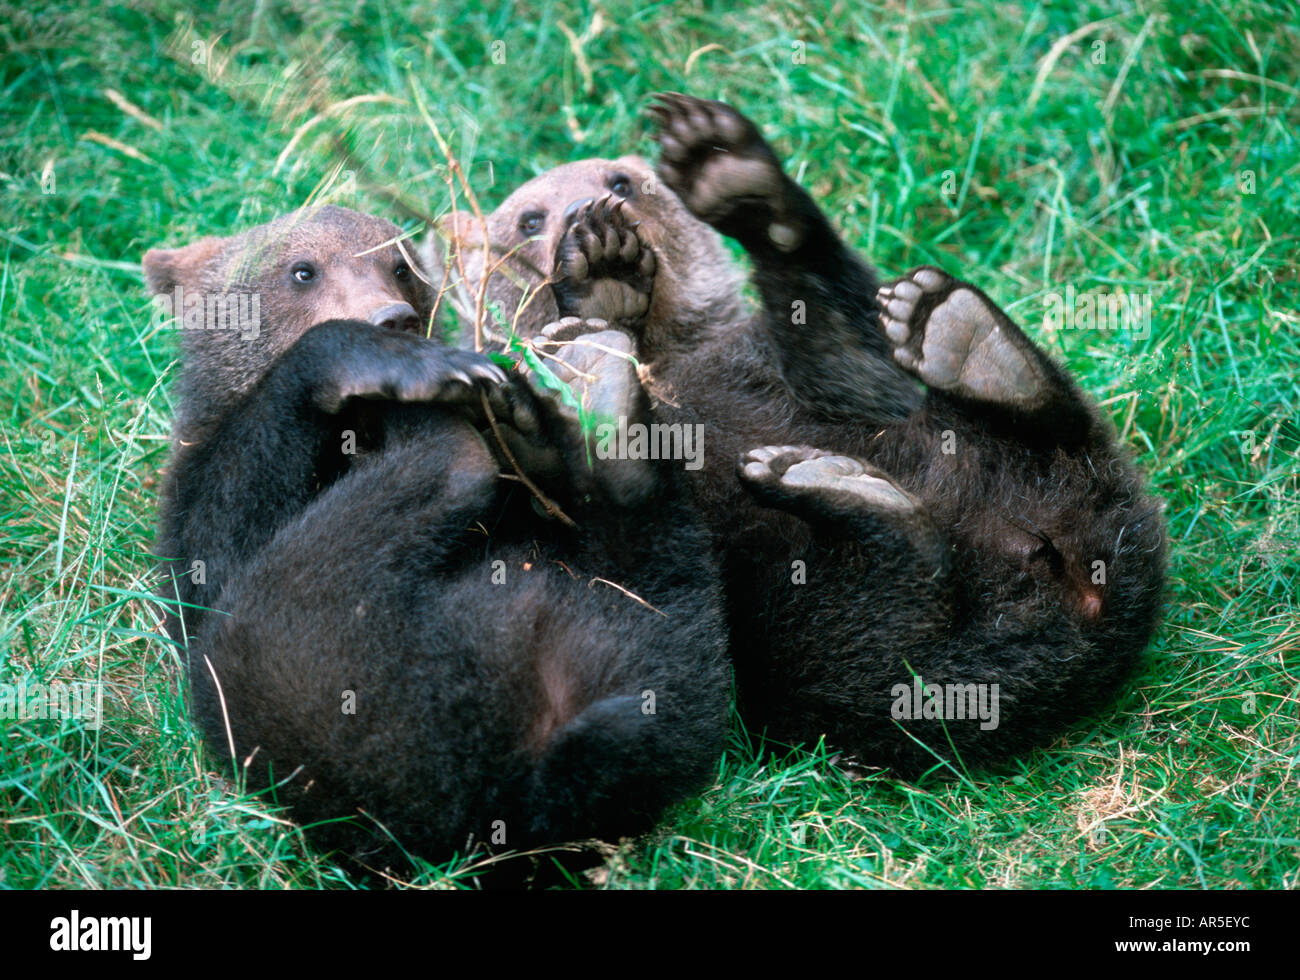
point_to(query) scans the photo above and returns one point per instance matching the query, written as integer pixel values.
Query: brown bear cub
(380, 625)
(953, 570)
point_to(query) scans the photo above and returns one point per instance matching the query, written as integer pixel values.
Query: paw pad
(603, 268)
(952, 337)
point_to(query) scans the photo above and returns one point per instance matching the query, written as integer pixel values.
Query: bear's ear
(458, 232)
(165, 268)
(460, 229)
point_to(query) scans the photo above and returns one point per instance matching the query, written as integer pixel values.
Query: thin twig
(629, 594)
(551, 506)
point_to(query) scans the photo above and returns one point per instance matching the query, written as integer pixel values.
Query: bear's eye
(303, 272)
(532, 222)
(621, 184)
(402, 272)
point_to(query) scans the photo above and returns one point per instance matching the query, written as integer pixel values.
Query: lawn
(1041, 150)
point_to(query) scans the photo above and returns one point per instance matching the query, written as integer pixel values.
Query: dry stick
(547, 503)
(442, 291)
(480, 300)
(626, 592)
(457, 174)
(551, 506)
(396, 200)
(442, 286)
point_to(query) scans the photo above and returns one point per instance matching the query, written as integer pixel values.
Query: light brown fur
(975, 581)
(696, 286)
(355, 255)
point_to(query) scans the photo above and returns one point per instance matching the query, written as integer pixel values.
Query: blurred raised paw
(718, 163)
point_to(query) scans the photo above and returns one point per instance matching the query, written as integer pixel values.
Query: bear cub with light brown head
(329, 264)
(907, 495)
(378, 624)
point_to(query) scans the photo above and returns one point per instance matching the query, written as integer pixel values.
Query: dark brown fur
(986, 580)
(393, 634)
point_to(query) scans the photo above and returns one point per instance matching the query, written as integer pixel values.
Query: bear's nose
(396, 316)
(572, 210)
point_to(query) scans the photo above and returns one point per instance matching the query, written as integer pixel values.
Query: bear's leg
(841, 495)
(728, 176)
(818, 306)
(599, 366)
(951, 336)
(271, 456)
(344, 603)
(651, 610)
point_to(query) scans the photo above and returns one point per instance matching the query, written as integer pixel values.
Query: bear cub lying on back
(902, 488)
(383, 627)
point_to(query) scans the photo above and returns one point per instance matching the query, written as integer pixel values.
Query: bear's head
(240, 302)
(516, 244)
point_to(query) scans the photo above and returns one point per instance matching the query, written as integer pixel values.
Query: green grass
(935, 134)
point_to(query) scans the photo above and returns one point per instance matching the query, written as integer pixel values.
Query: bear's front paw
(718, 163)
(405, 368)
(602, 267)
